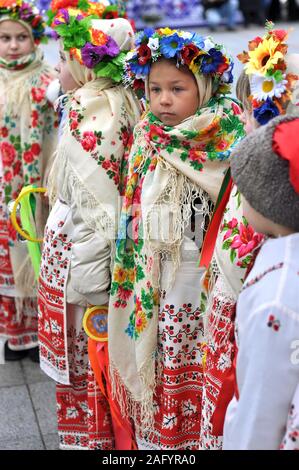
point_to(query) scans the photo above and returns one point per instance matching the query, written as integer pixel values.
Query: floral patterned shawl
(28, 139)
(168, 166)
(101, 116)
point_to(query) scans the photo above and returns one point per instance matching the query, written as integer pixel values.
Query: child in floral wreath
(180, 153)
(266, 89)
(265, 169)
(28, 139)
(81, 229)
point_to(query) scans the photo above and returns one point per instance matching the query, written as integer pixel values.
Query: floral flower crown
(86, 8)
(202, 55)
(90, 47)
(271, 87)
(18, 10)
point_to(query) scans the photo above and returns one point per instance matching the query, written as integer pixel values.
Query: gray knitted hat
(265, 167)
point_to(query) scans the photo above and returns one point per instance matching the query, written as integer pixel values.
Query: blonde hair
(205, 89)
(243, 91)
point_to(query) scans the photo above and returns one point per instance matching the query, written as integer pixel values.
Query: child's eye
(177, 89)
(155, 89)
(4, 38)
(22, 37)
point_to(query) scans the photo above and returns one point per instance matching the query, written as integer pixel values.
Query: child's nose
(165, 98)
(14, 44)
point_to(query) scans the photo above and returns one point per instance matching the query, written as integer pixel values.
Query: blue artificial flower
(140, 70)
(228, 76)
(198, 40)
(266, 112)
(211, 61)
(144, 36)
(170, 45)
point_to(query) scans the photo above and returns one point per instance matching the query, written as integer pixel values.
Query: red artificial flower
(189, 52)
(222, 67)
(110, 15)
(138, 84)
(8, 153)
(58, 4)
(254, 43)
(35, 149)
(36, 20)
(144, 54)
(255, 103)
(8, 3)
(279, 34)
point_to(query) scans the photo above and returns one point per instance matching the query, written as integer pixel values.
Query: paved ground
(27, 396)
(27, 408)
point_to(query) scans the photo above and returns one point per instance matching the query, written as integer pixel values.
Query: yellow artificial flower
(74, 11)
(76, 53)
(167, 31)
(194, 66)
(98, 38)
(264, 57)
(96, 9)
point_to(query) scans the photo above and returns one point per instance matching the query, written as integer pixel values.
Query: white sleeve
(90, 263)
(267, 376)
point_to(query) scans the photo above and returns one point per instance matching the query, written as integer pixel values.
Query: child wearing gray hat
(265, 168)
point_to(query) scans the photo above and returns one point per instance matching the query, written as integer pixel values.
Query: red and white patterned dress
(28, 129)
(236, 247)
(180, 337)
(82, 411)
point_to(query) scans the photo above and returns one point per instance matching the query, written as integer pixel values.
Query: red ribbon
(99, 360)
(212, 232)
(286, 145)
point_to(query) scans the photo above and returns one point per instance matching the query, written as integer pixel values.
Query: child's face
(250, 124)
(255, 219)
(15, 41)
(173, 92)
(261, 224)
(66, 79)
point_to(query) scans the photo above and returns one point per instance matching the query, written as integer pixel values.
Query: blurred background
(184, 13)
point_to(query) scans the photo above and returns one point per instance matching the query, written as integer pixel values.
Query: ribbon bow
(286, 145)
